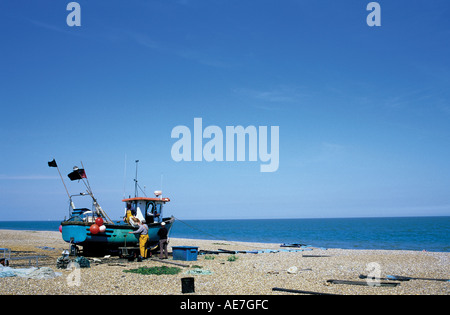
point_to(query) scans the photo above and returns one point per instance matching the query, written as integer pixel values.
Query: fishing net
(83, 262)
(29, 273)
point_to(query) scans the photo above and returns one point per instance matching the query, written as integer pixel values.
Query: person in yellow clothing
(143, 238)
(128, 214)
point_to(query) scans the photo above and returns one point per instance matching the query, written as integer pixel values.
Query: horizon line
(236, 219)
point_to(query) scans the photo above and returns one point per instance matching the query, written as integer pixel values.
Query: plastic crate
(187, 253)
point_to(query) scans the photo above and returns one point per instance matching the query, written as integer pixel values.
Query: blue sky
(363, 112)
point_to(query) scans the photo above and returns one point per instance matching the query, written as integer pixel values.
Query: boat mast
(136, 181)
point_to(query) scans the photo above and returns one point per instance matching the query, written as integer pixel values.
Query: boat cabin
(81, 214)
(144, 208)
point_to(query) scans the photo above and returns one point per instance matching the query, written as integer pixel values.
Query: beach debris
(293, 245)
(302, 246)
(29, 273)
(402, 278)
(6, 272)
(364, 283)
(301, 291)
(187, 285)
(225, 251)
(62, 262)
(83, 262)
(168, 262)
(292, 270)
(198, 271)
(269, 251)
(255, 251)
(6, 261)
(45, 247)
(208, 252)
(216, 252)
(43, 273)
(272, 251)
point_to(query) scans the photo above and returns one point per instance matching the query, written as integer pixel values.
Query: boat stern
(75, 234)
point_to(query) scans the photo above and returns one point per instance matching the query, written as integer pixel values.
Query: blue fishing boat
(97, 234)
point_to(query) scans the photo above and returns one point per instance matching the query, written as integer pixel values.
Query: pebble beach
(244, 274)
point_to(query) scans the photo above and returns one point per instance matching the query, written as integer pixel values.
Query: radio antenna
(136, 181)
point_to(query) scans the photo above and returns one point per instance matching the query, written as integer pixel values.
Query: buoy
(99, 221)
(60, 228)
(102, 228)
(94, 229)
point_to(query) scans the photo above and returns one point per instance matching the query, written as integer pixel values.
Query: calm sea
(407, 233)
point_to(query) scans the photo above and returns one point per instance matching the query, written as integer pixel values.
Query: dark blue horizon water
(394, 233)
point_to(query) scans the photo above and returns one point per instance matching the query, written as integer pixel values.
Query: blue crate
(187, 253)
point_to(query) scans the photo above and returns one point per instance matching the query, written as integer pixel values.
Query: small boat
(98, 234)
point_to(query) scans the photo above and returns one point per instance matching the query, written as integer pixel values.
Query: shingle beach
(245, 274)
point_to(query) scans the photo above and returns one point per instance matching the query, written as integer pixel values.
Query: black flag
(52, 163)
(77, 174)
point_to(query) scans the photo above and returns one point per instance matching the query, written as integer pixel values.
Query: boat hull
(115, 235)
